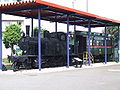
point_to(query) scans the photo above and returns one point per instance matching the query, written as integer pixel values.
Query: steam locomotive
(53, 50)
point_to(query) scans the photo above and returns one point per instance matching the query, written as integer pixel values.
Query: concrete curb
(57, 69)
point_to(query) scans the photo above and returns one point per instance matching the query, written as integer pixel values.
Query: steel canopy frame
(68, 58)
(43, 10)
(0, 41)
(105, 44)
(119, 44)
(50, 11)
(39, 37)
(89, 32)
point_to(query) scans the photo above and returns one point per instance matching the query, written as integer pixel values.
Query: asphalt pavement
(106, 77)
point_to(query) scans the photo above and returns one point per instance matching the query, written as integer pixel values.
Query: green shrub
(5, 59)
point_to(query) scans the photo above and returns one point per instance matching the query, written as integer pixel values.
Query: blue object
(32, 26)
(105, 45)
(89, 31)
(0, 41)
(56, 24)
(68, 62)
(119, 44)
(74, 39)
(39, 38)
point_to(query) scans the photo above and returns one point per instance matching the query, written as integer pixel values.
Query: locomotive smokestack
(27, 30)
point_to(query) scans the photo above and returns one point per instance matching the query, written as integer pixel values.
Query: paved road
(102, 78)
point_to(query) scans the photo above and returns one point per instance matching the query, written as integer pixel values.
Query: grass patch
(8, 67)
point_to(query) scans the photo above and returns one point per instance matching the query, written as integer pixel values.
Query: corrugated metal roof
(54, 12)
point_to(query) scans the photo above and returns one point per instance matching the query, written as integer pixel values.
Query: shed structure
(42, 10)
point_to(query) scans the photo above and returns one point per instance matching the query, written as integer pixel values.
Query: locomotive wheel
(34, 63)
(26, 64)
(53, 62)
(60, 61)
(63, 59)
(16, 66)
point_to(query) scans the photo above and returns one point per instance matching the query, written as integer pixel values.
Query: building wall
(6, 21)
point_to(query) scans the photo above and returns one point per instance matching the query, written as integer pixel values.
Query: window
(19, 23)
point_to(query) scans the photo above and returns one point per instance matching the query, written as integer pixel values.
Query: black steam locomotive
(53, 50)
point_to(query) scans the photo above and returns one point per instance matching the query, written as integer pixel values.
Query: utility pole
(73, 2)
(86, 5)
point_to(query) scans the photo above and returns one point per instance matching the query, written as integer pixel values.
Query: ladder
(85, 58)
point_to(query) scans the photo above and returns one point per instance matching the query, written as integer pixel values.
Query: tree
(11, 36)
(42, 31)
(113, 33)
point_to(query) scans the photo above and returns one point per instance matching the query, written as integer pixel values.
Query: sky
(105, 8)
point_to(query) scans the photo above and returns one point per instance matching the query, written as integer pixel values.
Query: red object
(100, 47)
(50, 9)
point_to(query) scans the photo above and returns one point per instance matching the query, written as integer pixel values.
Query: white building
(7, 20)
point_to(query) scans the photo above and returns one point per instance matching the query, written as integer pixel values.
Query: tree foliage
(42, 30)
(11, 36)
(112, 30)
